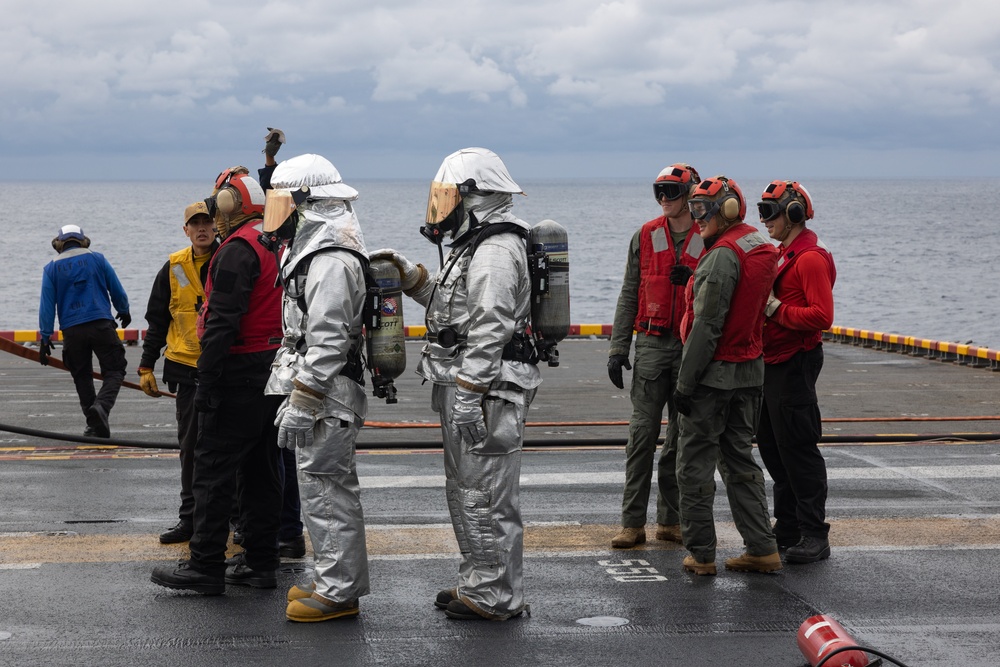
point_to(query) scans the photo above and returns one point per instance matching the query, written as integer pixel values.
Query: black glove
(680, 274)
(615, 363)
(683, 403)
(205, 399)
(274, 139)
(125, 319)
(44, 350)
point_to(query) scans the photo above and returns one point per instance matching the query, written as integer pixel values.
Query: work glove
(411, 273)
(44, 351)
(147, 381)
(680, 274)
(683, 403)
(274, 139)
(772, 305)
(296, 419)
(468, 416)
(125, 319)
(615, 363)
(205, 399)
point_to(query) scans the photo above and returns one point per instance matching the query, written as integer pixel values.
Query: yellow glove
(148, 382)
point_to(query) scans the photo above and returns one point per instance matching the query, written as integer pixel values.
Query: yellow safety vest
(186, 294)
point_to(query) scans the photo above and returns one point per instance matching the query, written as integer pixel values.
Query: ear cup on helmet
(730, 209)
(228, 201)
(796, 212)
(60, 244)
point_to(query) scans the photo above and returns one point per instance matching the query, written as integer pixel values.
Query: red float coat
(806, 274)
(741, 338)
(260, 326)
(661, 303)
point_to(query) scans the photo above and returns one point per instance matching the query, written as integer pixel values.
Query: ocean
(914, 257)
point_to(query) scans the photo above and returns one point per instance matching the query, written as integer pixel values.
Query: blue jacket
(78, 283)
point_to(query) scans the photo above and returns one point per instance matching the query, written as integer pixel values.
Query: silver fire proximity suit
(475, 305)
(322, 318)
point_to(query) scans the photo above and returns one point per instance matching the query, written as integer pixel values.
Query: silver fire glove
(411, 273)
(297, 419)
(468, 415)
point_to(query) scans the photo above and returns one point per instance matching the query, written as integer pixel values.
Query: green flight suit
(654, 374)
(725, 404)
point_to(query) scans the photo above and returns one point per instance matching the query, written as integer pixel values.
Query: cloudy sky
(116, 89)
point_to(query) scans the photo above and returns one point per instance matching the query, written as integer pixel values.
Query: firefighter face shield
(670, 190)
(281, 216)
(702, 209)
(279, 206)
(445, 212)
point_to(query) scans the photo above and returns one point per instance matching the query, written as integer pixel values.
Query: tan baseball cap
(197, 208)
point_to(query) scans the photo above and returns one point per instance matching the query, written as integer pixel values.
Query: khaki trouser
(654, 376)
(721, 425)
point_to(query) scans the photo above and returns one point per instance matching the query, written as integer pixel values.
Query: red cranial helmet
(675, 181)
(788, 197)
(718, 195)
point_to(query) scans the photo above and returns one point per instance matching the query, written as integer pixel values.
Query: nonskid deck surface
(915, 535)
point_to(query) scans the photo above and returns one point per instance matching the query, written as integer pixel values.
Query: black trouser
(291, 505)
(80, 343)
(787, 437)
(238, 440)
(187, 438)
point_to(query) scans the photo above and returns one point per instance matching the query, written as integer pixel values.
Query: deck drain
(603, 621)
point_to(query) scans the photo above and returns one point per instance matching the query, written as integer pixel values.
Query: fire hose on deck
(17, 349)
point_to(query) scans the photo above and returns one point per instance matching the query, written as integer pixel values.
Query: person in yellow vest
(171, 318)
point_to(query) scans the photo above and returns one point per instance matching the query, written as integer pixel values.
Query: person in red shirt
(799, 309)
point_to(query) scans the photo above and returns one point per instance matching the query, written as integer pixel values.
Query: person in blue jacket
(77, 285)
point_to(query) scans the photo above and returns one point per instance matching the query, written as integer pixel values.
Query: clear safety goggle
(702, 209)
(669, 189)
(768, 210)
(443, 199)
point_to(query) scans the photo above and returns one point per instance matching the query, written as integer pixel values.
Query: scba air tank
(386, 344)
(550, 292)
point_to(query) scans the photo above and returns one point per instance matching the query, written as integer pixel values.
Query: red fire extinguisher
(821, 635)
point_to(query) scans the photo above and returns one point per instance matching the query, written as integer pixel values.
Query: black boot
(445, 597)
(293, 548)
(242, 574)
(810, 549)
(180, 533)
(97, 419)
(183, 577)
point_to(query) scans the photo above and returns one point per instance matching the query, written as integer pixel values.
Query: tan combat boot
(748, 563)
(699, 568)
(669, 533)
(628, 538)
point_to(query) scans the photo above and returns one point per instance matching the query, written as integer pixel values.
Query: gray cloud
(111, 80)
